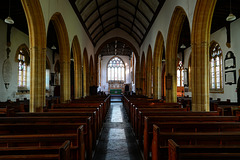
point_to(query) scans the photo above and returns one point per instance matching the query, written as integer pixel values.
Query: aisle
(117, 141)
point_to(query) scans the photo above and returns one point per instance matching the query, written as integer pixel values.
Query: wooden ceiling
(133, 16)
(102, 16)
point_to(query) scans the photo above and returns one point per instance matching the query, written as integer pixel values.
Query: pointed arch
(76, 49)
(85, 73)
(157, 60)
(174, 32)
(37, 40)
(64, 52)
(143, 75)
(138, 74)
(149, 78)
(201, 26)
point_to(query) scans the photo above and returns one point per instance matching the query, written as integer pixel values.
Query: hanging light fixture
(9, 20)
(230, 17)
(182, 46)
(53, 47)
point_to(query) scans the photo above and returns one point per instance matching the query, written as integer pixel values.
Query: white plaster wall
(163, 19)
(17, 38)
(105, 60)
(220, 37)
(73, 25)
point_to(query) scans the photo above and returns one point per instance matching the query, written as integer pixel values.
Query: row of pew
(172, 131)
(67, 131)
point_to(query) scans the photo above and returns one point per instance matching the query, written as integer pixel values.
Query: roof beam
(94, 11)
(133, 24)
(99, 14)
(114, 17)
(133, 16)
(103, 23)
(148, 6)
(121, 29)
(138, 10)
(85, 6)
(102, 16)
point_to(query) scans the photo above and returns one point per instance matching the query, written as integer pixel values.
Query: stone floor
(117, 141)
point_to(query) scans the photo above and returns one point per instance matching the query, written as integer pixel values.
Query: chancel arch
(157, 63)
(122, 48)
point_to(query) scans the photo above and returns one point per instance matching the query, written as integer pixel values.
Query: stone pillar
(65, 93)
(77, 80)
(200, 76)
(171, 70)
(37, 78)
(137, 76)
(200, 40)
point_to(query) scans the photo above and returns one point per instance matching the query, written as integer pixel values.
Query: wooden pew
(127, 100)
(43, 140)
(194, 133)
(206, 152)
(139, 120)
(150, 120)
(78, 106)
(38, 153)
(86, 121)
(95, 126)
(105, 101)
(150, 105)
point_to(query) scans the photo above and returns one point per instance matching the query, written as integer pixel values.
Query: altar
(116, 87)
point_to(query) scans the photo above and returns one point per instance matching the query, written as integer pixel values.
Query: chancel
(119, 79)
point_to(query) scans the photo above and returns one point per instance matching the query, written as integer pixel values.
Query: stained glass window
(22, 70)
(216, 67)
(180, 74)
(116, 69)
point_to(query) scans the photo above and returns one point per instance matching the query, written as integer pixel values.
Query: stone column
(37, 78)
(171, 70)
(200, 76)
(64, 80)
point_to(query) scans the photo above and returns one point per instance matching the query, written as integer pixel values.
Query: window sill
(217, 91)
